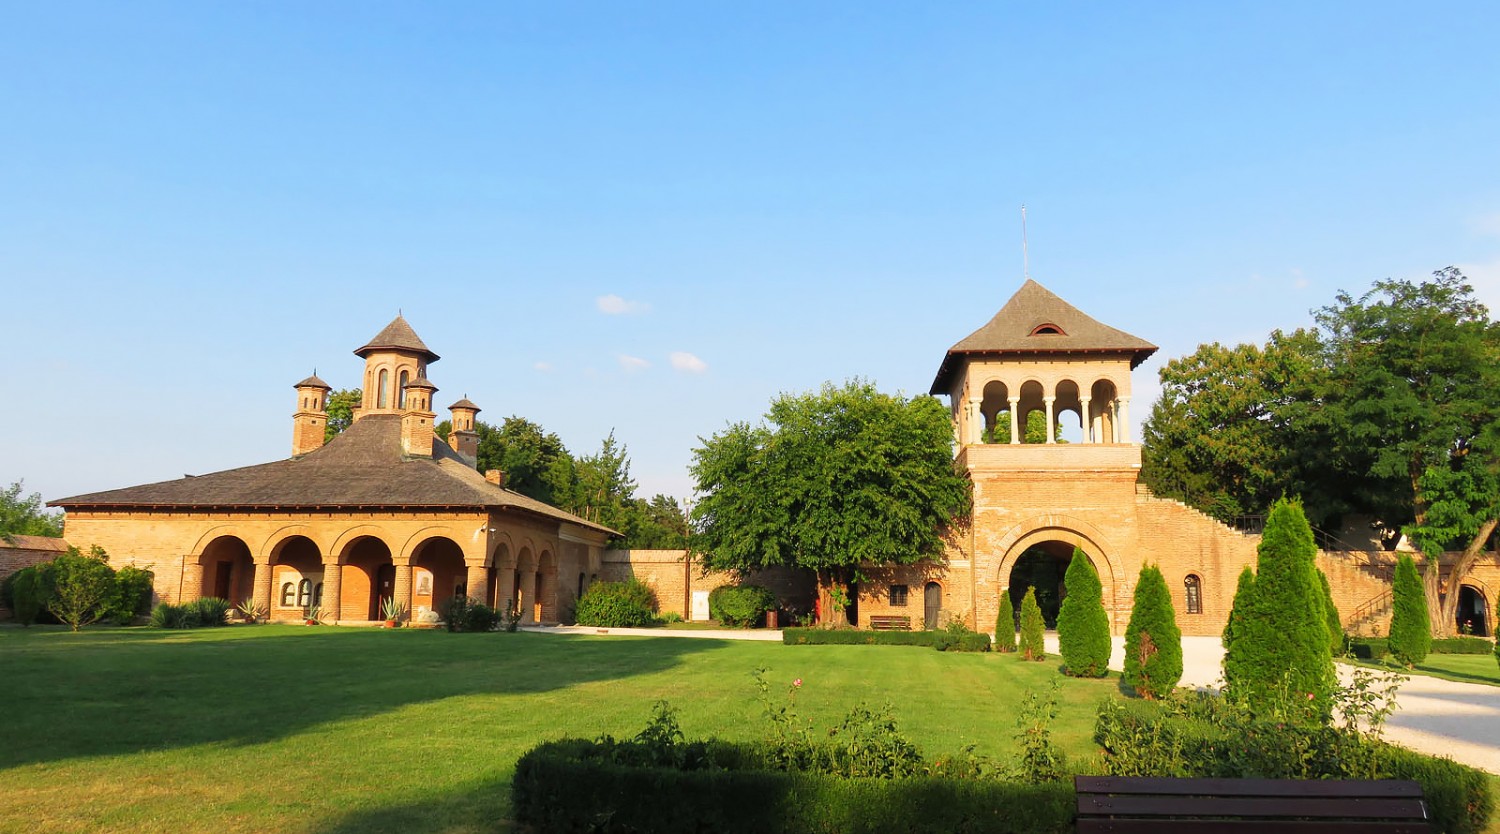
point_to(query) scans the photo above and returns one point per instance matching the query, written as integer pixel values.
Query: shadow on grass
(117, 691)
(482, 808)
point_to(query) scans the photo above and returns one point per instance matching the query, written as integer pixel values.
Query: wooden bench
(891, 623)
(1127, 805)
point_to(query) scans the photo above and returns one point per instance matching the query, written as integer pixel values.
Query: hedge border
(856, 637)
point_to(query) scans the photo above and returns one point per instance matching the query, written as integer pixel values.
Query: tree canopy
(25, 515)
(832, 480)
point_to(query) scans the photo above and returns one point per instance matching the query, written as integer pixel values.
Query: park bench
(1124, 805)
(891, 623)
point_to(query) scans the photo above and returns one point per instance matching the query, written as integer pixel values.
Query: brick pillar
(478, 582)
(192, 580)
(528, 596)
(262, 585)
(507, 587)
(546, 595)
(402, 591)
(333, 585)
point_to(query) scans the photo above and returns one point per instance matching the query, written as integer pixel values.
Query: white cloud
(684, 361)
(544, 367)
(633, 363)
(613, 305)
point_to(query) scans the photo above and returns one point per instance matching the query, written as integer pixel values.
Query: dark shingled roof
(313, 382)
(1013, 330)
(422, 382)
(397, 335)
(464, 403)
(362, 467)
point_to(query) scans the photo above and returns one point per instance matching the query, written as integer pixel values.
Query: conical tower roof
(1036, 321)
(314, 382)
(397, 335)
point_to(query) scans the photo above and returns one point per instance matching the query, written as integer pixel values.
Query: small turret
(416, 419)
(464, 438)
(310, 421)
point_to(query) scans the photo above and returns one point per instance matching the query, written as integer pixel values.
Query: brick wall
(675, 579)
(24, 552)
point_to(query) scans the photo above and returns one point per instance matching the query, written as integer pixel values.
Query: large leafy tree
(534, 460)
(24, 515)
(1226, 434)
(831, 481)
(340, 409)
(1411, 410)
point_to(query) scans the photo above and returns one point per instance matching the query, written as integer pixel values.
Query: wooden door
(932, 604)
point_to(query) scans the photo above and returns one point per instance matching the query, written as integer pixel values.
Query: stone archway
(369, 579)
(438, 574)
(296, 578)
(1055, 538)
(1473, 612)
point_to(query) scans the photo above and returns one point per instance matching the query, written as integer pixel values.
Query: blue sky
(652, 218)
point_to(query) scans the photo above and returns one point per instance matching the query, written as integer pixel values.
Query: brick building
(385, 510)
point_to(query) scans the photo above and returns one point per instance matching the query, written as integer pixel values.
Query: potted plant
(393, 611)
(253, 612)
(314, 616)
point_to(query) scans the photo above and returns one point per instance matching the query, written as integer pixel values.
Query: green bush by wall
(617, 605)
(855, 637)
(740, 606)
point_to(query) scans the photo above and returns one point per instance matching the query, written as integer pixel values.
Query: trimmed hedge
(1369, 648)
(960, 640)
(1145, 739)
(855, 637)
(571, 786)
(740, 606)
(1461, 645)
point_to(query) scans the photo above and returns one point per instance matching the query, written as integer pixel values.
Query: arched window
(1047, 329)
(304, 593)
(380, 399)
(1193, 588)
(317, 599)
(405, 377)
(288, 595)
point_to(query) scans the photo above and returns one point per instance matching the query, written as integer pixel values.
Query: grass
(1464, 668)
(332, 730)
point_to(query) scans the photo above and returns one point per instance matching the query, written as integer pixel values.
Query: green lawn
(295, 729)
(1465, 668)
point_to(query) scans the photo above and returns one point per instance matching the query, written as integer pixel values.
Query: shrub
(1005, 624)
(83, 587)
(1199, 735)
(208, 612)
(167, 615)
(856, 637)
(617, 605)
(740, 606)
(480, 617)
(1338, 644)
(29, 594)
(1280, 648)
(1411, 631)
(957, 637)
(1244, 595)
(1153, 643)
(1461, 645)
(1032, 628)
(1368, 648)
(133, 588)
(1082, 624)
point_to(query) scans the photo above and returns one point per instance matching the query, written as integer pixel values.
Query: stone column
(333, 586)
(478, 582)
(1051, 420)
(402, 592)
(546, 594)
(1085, 419)
(976, 422)
(262, 586)
(1123, 432)
(528, 596)
(1016, 426)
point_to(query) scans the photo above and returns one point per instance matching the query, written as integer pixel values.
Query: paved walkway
(1444, 718)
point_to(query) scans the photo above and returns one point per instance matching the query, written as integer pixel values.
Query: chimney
(310, 421)
(416, 419)
(495, 476)
(463, 437)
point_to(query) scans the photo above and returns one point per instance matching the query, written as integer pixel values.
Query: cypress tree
(1005, 624)
(1411, 631)
(1244, 601)
(1332, 620)
(1280, 654)
(1153, 643)
(1082, 624)
(1032, 627)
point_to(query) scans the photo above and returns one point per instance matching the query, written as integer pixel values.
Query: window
(288, 595)
(1194, 592)
(304, 593)
(1048, 329)
(404, 380)
(898, 596)
(317, 599)
(384, 379)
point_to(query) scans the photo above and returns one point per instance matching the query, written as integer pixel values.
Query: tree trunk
(1432, 589)
(829, 581)
(1449, 612)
